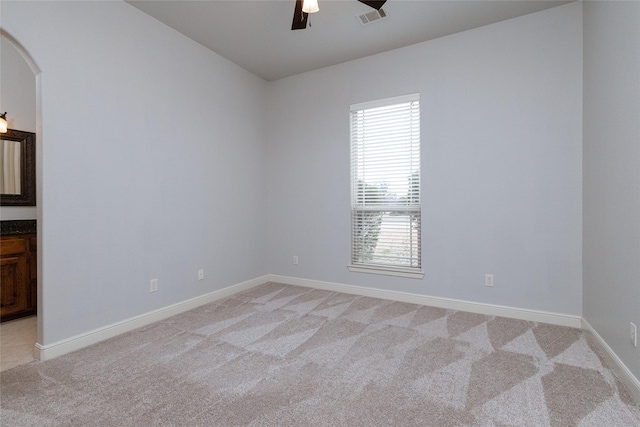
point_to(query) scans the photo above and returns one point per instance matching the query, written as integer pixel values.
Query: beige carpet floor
(280, 355)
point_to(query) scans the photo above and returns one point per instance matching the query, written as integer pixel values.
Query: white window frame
(361, 204)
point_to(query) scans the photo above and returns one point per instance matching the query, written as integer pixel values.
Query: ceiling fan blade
(373, 3)
(299, 17)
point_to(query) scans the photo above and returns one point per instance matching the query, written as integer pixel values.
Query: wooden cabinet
(18, 276)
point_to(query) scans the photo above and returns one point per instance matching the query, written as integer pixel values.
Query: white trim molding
(619, 368)
(46, 352)
(399, 272)
(50, 351)
(452, 304)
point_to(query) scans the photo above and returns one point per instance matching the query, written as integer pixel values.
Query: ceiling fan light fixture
(310, 6)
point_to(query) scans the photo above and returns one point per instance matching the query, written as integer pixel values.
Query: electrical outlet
(200, 274)
(153, 285)
(633, 334)
(488, 280)
(295, 260)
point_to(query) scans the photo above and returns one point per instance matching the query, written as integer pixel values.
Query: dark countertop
(22, 226)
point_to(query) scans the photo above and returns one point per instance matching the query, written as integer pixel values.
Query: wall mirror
(17, 168)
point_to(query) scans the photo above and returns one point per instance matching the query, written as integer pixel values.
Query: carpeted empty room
(306, 213)
(282, 355)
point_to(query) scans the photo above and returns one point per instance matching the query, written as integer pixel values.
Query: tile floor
(17, 340)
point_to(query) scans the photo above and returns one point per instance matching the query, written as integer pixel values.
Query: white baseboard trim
(619, 368)
(50, 351)
(46, 352)
(452, 304)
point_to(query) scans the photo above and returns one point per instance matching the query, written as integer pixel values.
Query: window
(385, 187)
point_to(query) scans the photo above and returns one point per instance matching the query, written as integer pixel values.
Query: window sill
(386, 271)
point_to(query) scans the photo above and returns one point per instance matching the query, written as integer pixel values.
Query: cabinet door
(14, 297)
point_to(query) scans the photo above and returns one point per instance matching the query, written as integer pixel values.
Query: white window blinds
(385, 184)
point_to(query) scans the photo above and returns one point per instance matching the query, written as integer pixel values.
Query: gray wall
(501, 163)
(611, 212)
(153, 164)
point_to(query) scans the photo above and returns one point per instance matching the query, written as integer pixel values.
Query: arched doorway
(20, 97)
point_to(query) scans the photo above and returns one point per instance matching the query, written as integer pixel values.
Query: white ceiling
(257, 34)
